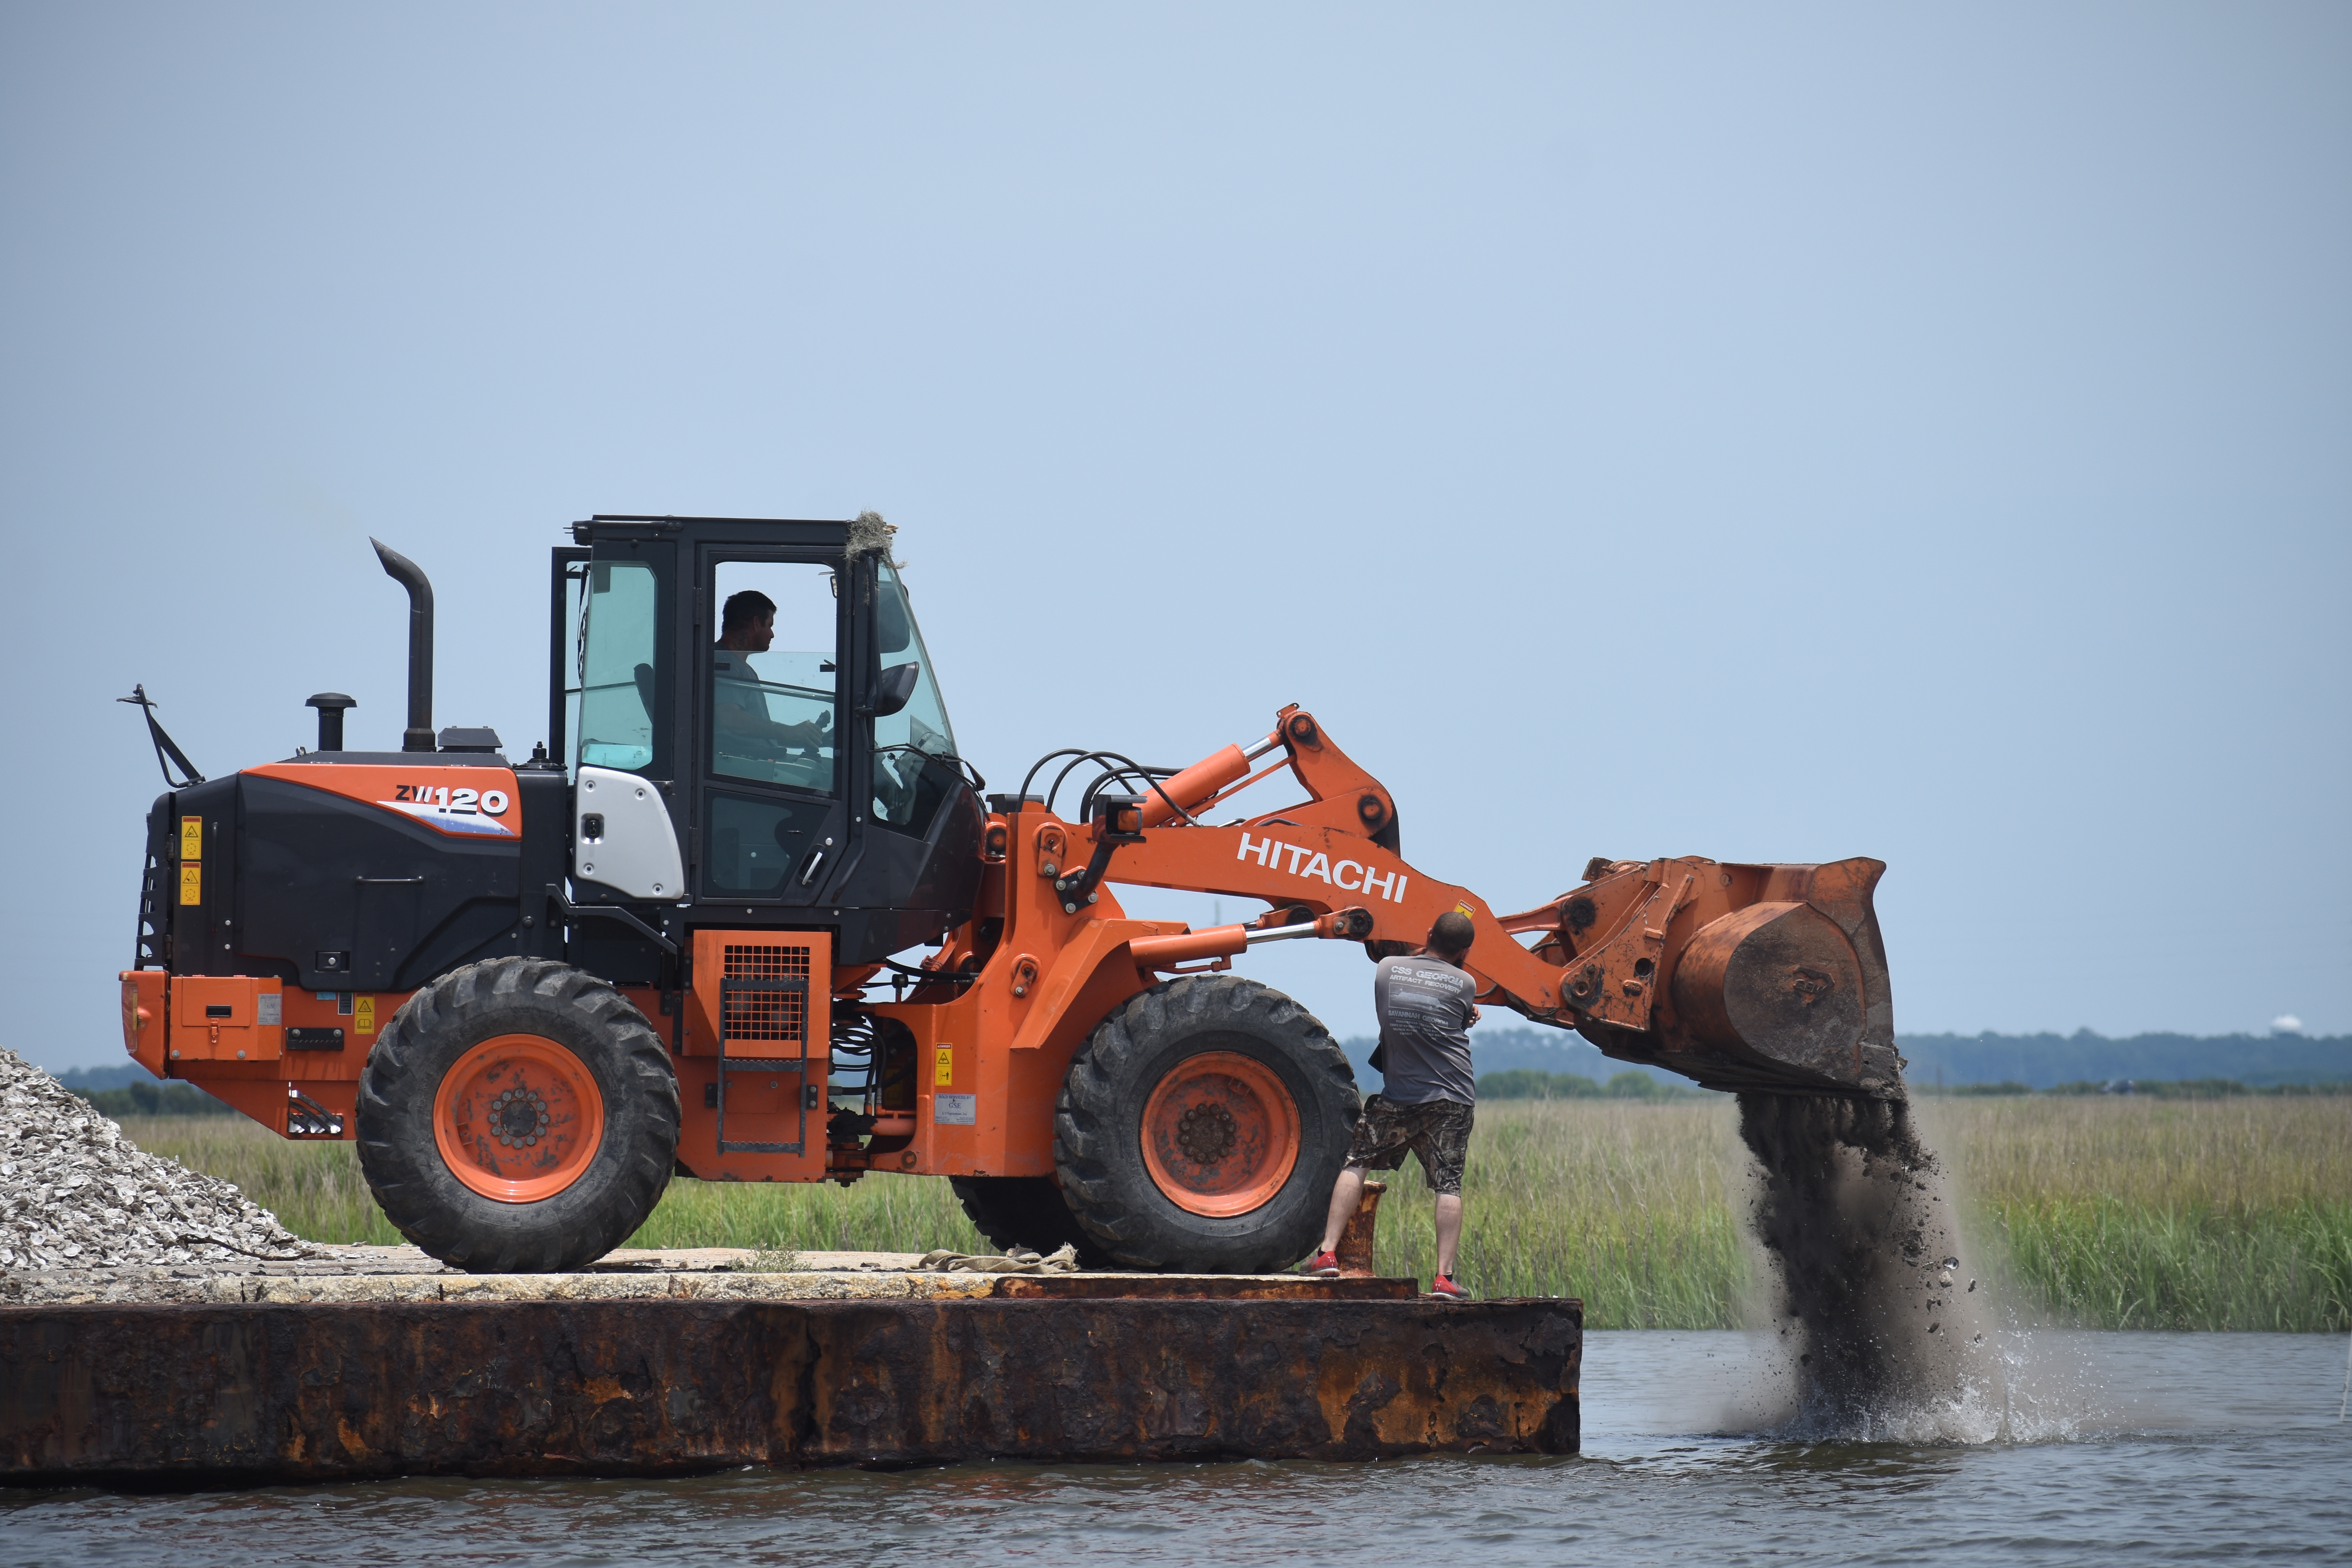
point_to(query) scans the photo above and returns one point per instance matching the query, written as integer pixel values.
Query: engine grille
(777, 1015)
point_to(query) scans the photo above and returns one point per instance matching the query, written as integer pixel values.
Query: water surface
(2154, 1447)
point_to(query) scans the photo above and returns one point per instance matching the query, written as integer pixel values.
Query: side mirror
(895, 689)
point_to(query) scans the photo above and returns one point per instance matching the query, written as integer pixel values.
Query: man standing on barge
(1428, 1092)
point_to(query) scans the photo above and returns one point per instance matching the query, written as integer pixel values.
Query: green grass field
(2111, 1211)
(2156, 1214)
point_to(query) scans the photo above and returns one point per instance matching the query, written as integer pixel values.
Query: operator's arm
(743, 725)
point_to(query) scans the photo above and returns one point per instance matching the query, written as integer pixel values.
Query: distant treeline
(2038, 1062)
(2047, 1061)
(1526, 1083)
(2154, 1088)
(152, 1100)
(1494, 1053)
(130, 1090)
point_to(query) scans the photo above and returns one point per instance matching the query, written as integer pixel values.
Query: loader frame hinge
(1616, 981)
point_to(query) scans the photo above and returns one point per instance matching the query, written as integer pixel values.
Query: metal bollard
(1356, 1241)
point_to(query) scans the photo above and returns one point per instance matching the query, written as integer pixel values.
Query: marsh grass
(2132, 1212)
(314, 1189)
(878, 1213)
(2112, 1213)
(2118, 1212)
(1621, 1203)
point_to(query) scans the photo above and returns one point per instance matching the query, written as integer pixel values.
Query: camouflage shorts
(1438, 1130)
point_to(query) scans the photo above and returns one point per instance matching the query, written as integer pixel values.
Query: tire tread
(1103, 1090)
(402, 1165)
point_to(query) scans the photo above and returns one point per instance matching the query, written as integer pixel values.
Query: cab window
(907, 788)
(616, 665)
(773, 681)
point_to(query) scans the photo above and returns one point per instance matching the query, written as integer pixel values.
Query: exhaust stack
(419, 736)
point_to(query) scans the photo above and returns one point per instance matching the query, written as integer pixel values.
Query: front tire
(1202, 1127)
(518, 1116)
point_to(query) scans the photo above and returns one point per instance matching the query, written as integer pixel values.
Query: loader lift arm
(1737, 976)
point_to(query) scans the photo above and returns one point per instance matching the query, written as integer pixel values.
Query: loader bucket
(1784, 990)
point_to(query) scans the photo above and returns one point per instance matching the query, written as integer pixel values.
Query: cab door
(770, 737)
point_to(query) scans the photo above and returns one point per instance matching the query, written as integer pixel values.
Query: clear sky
(1764, 433)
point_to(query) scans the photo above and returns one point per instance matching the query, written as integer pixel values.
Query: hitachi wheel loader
(668, 942)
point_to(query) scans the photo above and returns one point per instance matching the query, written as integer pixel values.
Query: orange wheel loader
(532, 992)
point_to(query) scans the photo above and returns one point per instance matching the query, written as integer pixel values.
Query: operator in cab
(1427, 1006)
(738, 711)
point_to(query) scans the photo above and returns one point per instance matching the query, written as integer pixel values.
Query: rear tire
(518, 1116)
(1202, 1127)
(1023, 1211)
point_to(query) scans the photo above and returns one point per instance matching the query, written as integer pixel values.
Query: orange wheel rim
(519, 1118)
(1220, 1134)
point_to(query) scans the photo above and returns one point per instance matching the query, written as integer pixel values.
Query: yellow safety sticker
(1465, 911)
(191, 884)
(943, 1066)
(364, 1014)
(192, 838)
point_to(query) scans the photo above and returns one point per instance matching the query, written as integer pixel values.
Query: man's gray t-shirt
(1425, 1010)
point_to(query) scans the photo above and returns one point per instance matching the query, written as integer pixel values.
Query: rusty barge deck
(661, 1366)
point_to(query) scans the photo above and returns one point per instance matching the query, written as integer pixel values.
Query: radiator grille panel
(746, 961)
(769, 1016)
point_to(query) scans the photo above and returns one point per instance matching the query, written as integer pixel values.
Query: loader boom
(1737, 976)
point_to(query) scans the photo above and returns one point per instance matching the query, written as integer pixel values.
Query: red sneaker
(1446, 1288)
(1324, 1266)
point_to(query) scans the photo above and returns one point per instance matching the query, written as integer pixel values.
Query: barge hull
(187, 1396)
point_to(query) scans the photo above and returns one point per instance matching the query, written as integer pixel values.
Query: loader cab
(802, 750)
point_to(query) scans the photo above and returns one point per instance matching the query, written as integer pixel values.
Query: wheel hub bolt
(519, 1118)
(1206, 1133)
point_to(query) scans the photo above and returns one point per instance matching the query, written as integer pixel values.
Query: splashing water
(1887, 1337)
